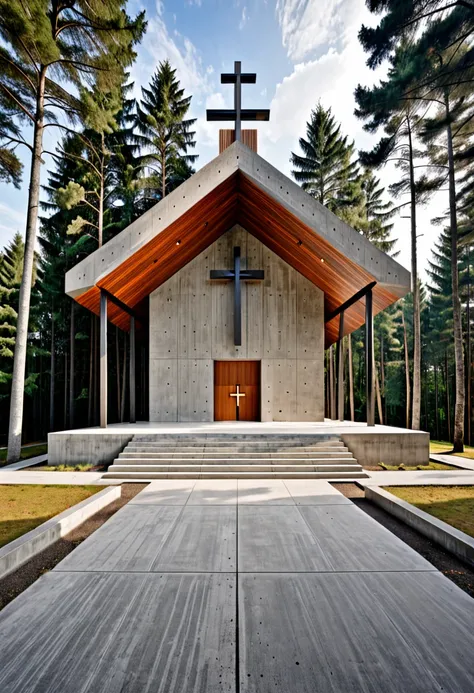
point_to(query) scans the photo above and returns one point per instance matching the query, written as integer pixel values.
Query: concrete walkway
(453, 459)
(239, 586)
(31, 477)
(456, 477)
(23, 464)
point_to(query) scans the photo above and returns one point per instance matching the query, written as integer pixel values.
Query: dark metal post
(132, 370)
(238, 99)
(369, 359)
(103, 360)
(237, 300)
(340, 370)
(332, 383)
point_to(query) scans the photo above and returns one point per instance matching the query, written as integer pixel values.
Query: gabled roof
(239, 187)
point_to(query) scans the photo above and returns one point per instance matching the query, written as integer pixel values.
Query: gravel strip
(454, 569)
(18, 581)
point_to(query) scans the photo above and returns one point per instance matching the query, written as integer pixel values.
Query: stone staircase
(320, 456)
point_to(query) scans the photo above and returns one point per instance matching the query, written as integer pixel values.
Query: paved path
(456, 477)
(23, 464)
(30, 477)
(239, 586)
(453, 459)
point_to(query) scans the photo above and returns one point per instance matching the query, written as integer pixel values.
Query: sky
(303, 51)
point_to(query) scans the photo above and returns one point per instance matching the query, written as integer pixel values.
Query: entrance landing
(239, 586)
(369, 445)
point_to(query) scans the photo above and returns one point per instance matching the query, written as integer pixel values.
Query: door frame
(234, 360)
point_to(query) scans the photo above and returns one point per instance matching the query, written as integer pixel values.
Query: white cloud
(159, 44)
(332, 79)
(243, 20)
(310, 24)
(11, 221)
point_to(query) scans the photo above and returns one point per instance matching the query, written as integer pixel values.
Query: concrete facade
(191, 326)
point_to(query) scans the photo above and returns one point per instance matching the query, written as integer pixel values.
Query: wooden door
(229, 374)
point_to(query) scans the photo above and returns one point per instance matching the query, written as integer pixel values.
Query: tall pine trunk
(377, 392)
(468, 347)
(407, 369)
(21, 337)
(448, 402)
(436, 400)
(416, 404)
(72, 365)
(52, 370)
(459, 401)
(91, 371)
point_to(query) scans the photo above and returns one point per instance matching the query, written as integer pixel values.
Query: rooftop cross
(238, 114)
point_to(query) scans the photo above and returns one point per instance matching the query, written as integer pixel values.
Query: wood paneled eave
(240, 200)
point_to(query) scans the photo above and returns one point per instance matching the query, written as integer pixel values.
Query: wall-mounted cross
(237, 275)
(237, 78)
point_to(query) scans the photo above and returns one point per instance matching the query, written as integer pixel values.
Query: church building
(232, 287)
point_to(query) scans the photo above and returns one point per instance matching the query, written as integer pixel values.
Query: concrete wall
(408, 447)
(191, 325)
(89, 446)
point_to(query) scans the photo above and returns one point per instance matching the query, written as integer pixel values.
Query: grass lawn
(25, 506)
(27, 451)
(441, 447)
(405, 468)
(452, 504)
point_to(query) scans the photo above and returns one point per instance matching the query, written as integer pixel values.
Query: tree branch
(18, 103)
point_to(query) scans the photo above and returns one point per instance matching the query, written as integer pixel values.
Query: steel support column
(340, 370)
(132, 370)
(103, 360)
(369, 359)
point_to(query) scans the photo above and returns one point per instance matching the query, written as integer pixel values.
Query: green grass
(441, 447)
(84, 467)
(27, 451)
(421, 467)
(25, 506)
(452, 504)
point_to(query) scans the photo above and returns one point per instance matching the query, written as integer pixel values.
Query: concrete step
(149, 457)
(348, 475)
(234, 460)
(237, 439)
(230, 468)
(232, 444)
(235, 448)
(232, 455)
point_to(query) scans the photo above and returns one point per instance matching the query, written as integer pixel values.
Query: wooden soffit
(240, 200)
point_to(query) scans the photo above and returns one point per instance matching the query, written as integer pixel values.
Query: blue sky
(302, 51)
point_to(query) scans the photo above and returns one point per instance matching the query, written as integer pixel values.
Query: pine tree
(435, 69)
(375, 223)
(11, 271)
(10, 137)
(327, 169)
(51, 53)
(401, 21)
(386, 107)
(164, 134)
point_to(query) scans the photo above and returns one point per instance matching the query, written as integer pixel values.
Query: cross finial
(238, 114)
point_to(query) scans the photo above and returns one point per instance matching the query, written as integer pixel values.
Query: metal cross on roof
(237, 78)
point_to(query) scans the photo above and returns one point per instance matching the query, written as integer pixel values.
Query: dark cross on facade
(238, 114)
(237, 275)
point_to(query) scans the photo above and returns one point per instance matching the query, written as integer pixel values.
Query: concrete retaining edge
(451, 539)
(20, 550)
